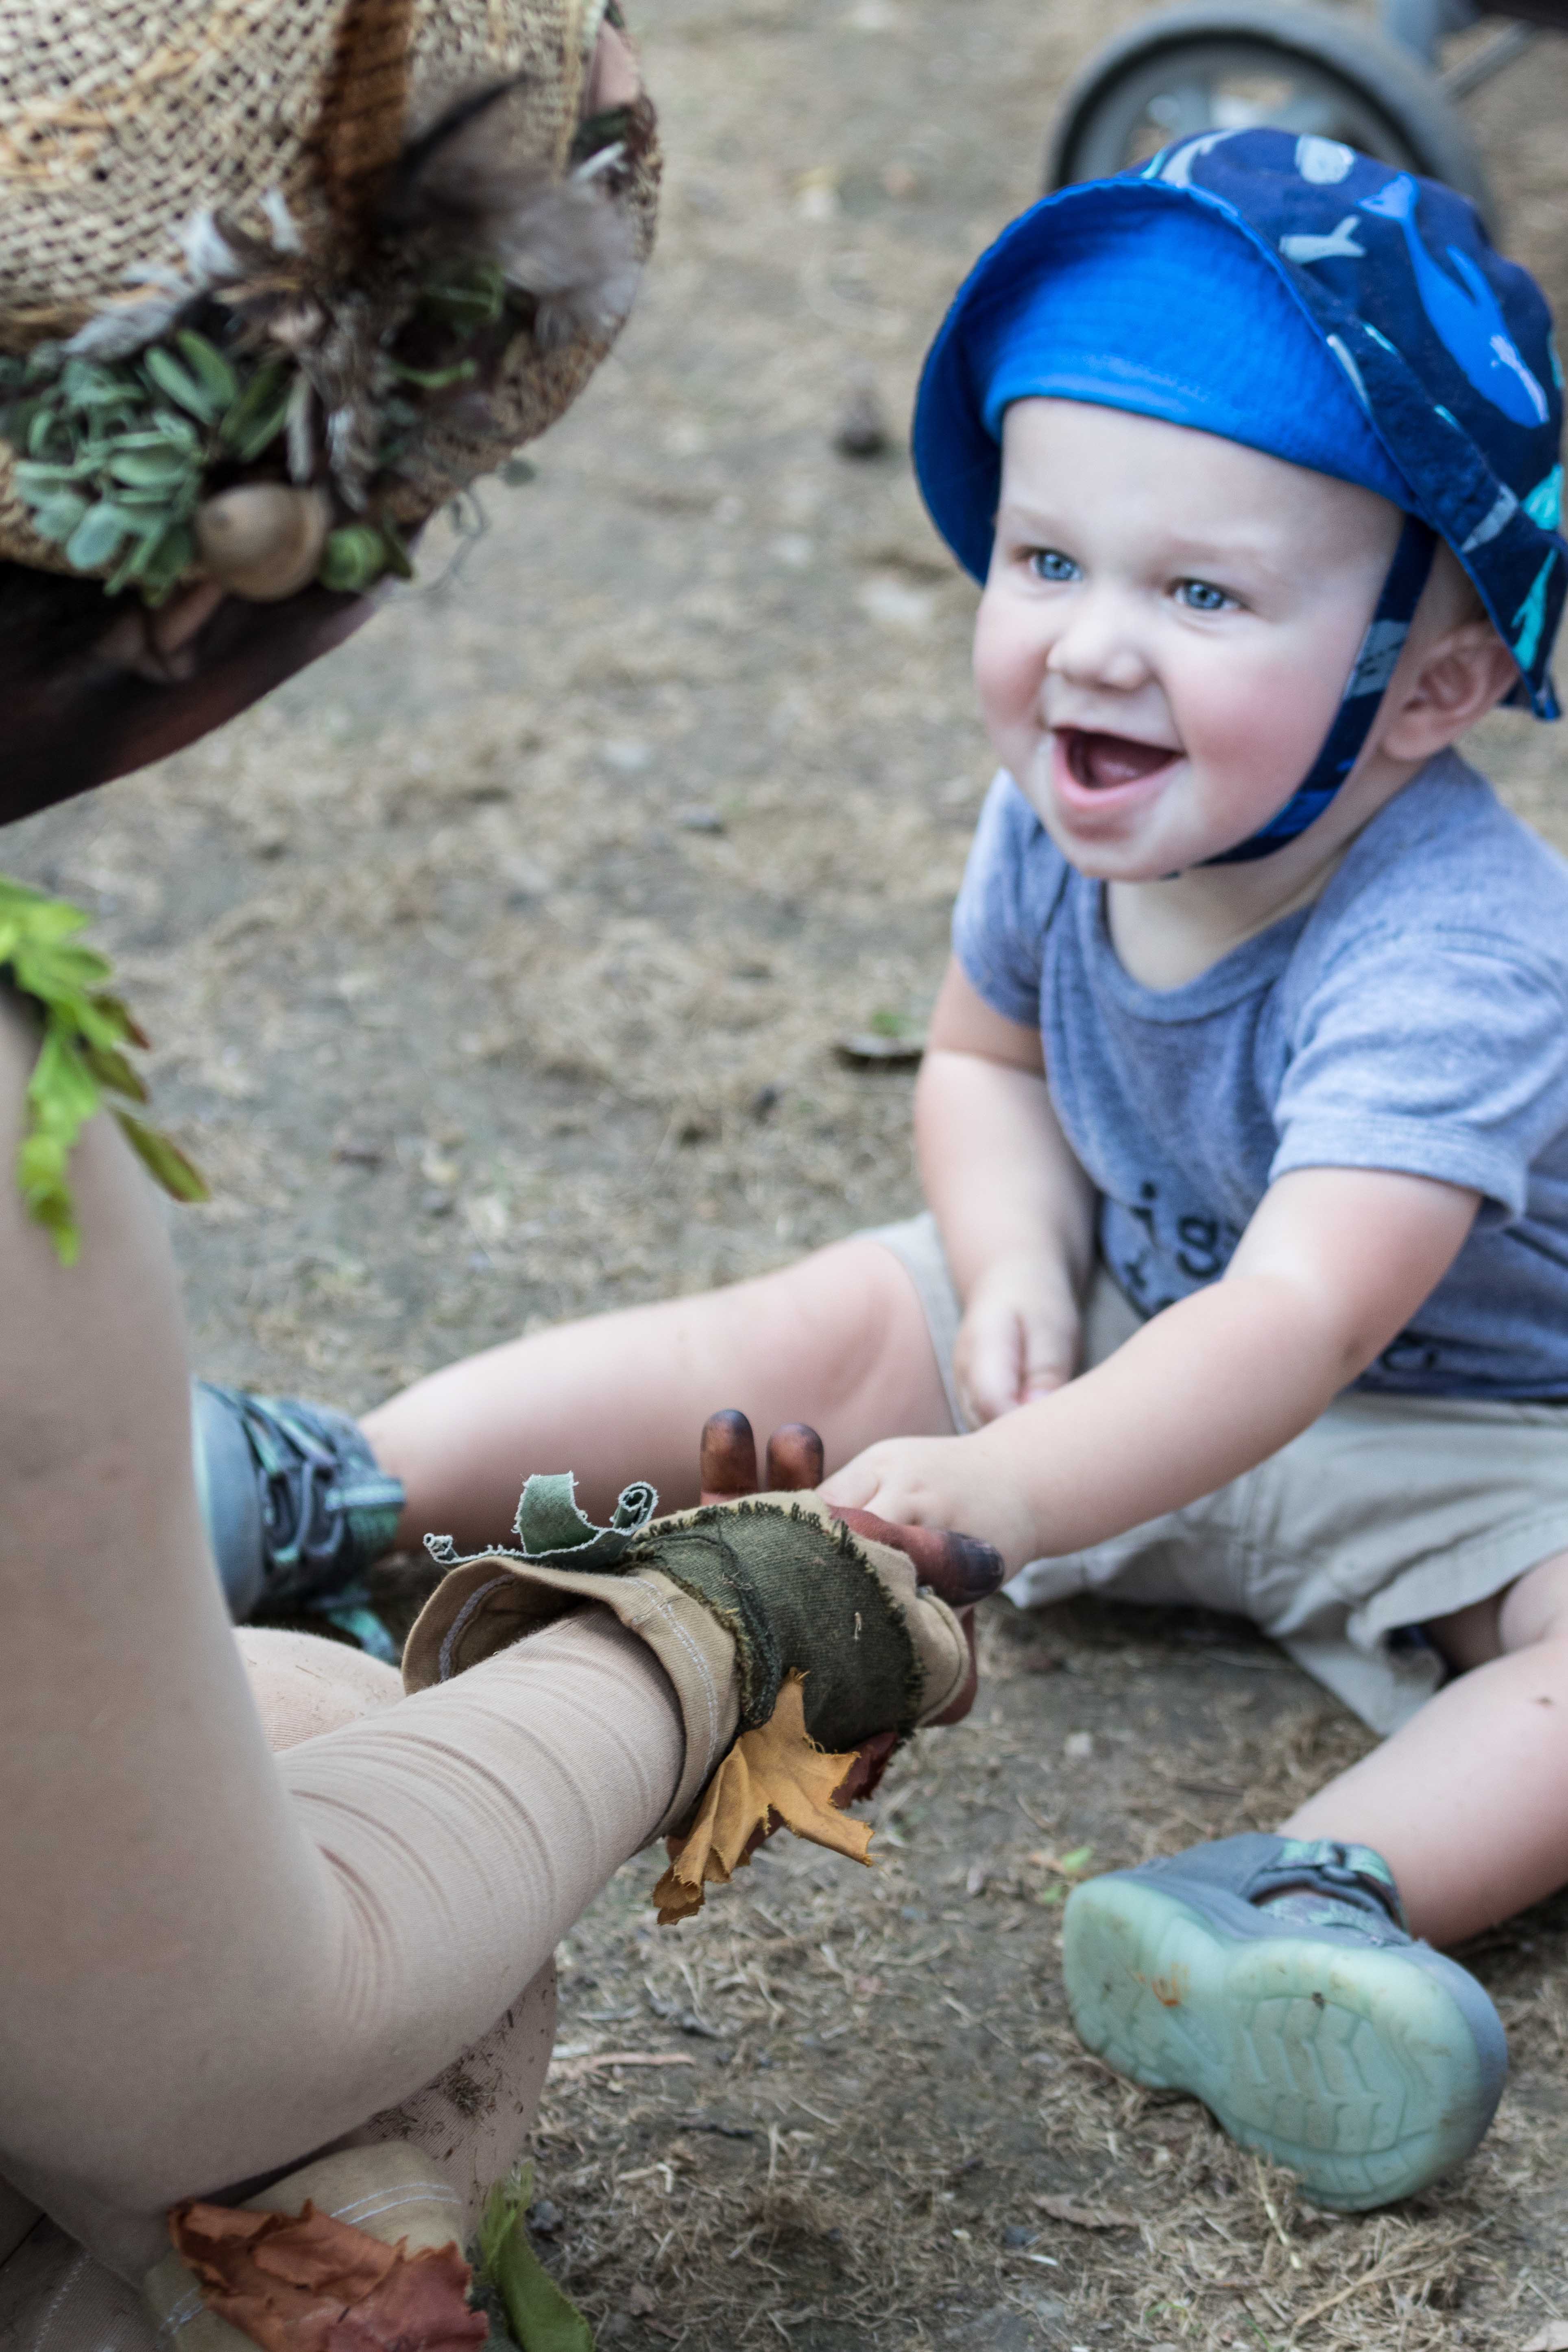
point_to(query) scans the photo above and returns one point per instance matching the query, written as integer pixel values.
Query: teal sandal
(1277, 1982)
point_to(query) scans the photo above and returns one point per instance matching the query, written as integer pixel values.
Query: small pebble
(868, 1050)
(764, 1102)
(436, 1204)
(861, 430)
(1016, 2234)
(543, 2218)
(1079, 1746)
(698, 820)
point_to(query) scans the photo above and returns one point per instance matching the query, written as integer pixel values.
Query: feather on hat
(357, 250)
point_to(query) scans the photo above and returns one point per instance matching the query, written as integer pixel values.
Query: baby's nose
(1099, 643)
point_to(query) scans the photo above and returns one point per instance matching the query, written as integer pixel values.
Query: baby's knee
(304, 1685)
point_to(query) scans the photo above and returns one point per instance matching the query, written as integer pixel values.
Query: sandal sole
(1364, 2071)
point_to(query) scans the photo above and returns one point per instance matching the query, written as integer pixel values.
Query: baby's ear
(1458, 677)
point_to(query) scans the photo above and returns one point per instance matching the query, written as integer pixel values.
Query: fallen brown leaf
(306, 2283)
(775, 1774)
(1086, 2216)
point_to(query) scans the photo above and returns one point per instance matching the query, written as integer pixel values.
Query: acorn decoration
(263, 540)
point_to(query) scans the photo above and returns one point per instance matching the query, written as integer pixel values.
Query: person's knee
(304, 1685)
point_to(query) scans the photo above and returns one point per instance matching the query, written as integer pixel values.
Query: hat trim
(1352, 343)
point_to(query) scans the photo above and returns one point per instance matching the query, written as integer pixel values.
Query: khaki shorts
(1387, 1511)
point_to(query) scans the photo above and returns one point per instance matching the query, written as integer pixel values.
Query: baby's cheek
(1264, 731)
(1007, 688)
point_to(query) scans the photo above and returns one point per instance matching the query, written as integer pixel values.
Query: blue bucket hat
(1291, 294)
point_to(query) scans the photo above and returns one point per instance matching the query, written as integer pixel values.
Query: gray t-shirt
(1413, 1018)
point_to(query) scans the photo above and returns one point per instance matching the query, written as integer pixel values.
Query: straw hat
(278, 278)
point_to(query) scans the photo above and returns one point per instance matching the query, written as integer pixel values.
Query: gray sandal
(1322, 2033)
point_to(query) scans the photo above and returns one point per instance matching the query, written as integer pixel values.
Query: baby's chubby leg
(1468, 1801)
(839, 1339)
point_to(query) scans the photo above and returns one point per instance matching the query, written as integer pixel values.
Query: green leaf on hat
(209, 365)
(97, 538)
(169, 376)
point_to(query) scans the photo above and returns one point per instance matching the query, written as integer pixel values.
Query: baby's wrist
(1027, 1271)
(1010, 1455)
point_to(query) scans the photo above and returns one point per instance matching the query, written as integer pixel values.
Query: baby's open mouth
(1099, 761)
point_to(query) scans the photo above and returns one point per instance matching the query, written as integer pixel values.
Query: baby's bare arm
(1015, 1207)
(1332, 1266)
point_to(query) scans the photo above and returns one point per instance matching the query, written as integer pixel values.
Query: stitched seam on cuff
(461, 1624)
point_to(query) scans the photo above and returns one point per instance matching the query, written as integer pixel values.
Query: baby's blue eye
(1050, 563)
(1201, 596)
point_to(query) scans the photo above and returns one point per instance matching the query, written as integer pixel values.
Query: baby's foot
(1276, 1980)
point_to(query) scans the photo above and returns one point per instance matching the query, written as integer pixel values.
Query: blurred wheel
(1225, 65)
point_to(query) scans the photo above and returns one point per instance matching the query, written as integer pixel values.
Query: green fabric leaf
(549, 1522)
(542, 2315)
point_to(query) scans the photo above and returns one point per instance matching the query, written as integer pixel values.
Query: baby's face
(1166, 632)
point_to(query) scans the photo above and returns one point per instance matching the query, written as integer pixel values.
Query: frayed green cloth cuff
(84, 1030)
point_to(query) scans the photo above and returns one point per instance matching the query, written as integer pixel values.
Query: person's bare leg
(1468, 1802)
(839, 1339)
(216, 1959)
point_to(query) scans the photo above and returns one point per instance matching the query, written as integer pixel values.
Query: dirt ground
(495, 970)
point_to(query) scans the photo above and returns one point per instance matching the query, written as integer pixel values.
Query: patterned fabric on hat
(1445, 346)
(1148, 321)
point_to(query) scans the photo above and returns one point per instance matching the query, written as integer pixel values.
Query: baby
(1244, 1121)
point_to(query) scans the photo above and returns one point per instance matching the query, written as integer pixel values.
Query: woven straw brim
(120, 119)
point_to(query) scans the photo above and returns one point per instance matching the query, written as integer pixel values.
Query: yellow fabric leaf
(773, 1775)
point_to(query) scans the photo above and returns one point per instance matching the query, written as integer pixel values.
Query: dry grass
(883, 2083)
(471, 1029)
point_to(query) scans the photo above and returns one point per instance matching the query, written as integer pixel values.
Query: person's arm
(1332, 1266)
(1015, 1209)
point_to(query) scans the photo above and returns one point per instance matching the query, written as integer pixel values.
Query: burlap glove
(732, 1598)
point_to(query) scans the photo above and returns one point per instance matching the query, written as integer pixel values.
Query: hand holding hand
(1019, 1338)
(955, 1567)
(925, 1482)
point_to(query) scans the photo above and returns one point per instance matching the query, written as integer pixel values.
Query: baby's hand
(943, 1482)
(1019, 1337)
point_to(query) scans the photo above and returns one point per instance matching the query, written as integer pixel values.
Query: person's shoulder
(1447, 862)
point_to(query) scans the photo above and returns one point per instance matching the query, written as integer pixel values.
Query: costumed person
(1243, 1116)
(274, 285)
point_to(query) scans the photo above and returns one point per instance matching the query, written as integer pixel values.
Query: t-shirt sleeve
(1009, 890)
(1443, 1055)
